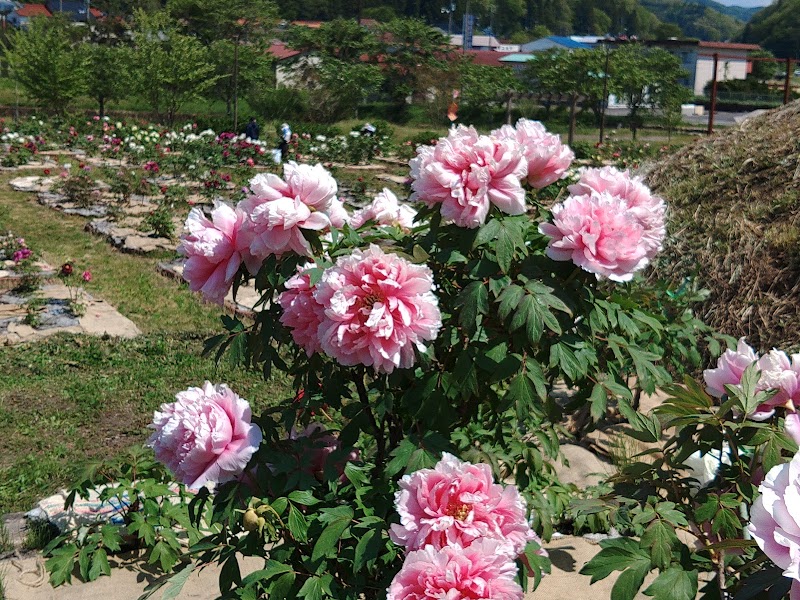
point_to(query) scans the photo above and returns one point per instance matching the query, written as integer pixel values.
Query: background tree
(643, 78)
(169, 68)
(577, 74)
(412, 48)
(340, 87)
(486, 86)
(239, 23)
(776, 28)
(342, 39)
(48, 63)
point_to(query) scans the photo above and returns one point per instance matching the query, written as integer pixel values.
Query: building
(75, 10)
(479, 42)
(697, 58)
(553, 42)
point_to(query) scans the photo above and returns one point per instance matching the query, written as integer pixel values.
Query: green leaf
(336, 525)
(646, 429)
(111, 537)
(658, 538)
(487, 232)
(504, 248)
(298, 525)
(629, 582)
(367, 549)
(616, 555)
(282, 586)
(172, 585)
(230, 574)
(522, 393)
(315, 588)
(61, 564)
(83, 562)
(100, 565)
(270, 570)
(509, 300)
(474, 301)
(674, 584)
(304, 497)
(165, 554)
(599, 400)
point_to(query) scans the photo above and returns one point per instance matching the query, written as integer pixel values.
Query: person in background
(286, 136)
(252, 130)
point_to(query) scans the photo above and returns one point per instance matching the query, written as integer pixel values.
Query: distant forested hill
(776, 28)
(704, 19)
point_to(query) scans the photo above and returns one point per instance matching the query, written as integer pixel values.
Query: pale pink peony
(775, 520)
(779, 372)
(385, 209)
(648, 209)
(729, 370)
(791, 426)
(548, 159)
(338, 214)
(213, 250)
(205, 435)
(456, 503)
(279, 209)
(466, 173)
(378, 308)
(478, 572)
(302, 314)
(598, 234)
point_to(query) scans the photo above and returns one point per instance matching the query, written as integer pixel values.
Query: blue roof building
(553, 42)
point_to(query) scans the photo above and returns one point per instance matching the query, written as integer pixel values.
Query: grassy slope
(73, 399)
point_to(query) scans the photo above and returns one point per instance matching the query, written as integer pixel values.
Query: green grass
(71, 399)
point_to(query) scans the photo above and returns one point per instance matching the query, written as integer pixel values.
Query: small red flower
(66, 269)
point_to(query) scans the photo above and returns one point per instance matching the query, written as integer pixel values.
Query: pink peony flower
(649, 210)
(378, 308)
(775, 519)
(456, 503)
(280, 208)
(338, 214)
(302, 314)
(779, 372)
(548, 159)
(205, 435)
(478, 572)
(87, 276)
(214, 250)
(791, 426)
(598, 234)
(385, 209)
(466, 172)
(730, 367)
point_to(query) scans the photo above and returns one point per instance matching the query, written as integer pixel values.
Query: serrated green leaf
(487, 232)
(304, 497)
(658, 538)
(599, 401)
(674, 584)
(100, 565)
(474, 301)
(60, 564)
(270, 570)
(509, 300)
(616, 555)
(315, 588)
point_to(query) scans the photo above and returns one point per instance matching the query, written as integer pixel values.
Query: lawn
(74, 399)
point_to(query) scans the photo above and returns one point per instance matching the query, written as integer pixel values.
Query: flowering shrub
(68, 274)
(427, 352)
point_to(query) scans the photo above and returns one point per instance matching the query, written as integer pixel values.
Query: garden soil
(734, 226)
(25, 578)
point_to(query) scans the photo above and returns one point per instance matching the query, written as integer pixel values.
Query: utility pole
(713, 96)
(788, 83)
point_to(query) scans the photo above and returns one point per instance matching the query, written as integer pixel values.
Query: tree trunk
(509, 107)
(101, 101)
(572, 104)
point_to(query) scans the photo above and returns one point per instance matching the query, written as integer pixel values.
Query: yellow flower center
(457, 510)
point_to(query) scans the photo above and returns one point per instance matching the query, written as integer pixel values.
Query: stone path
(26, 578)
(54, 317)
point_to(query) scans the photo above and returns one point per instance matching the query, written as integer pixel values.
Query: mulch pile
(734, 218)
